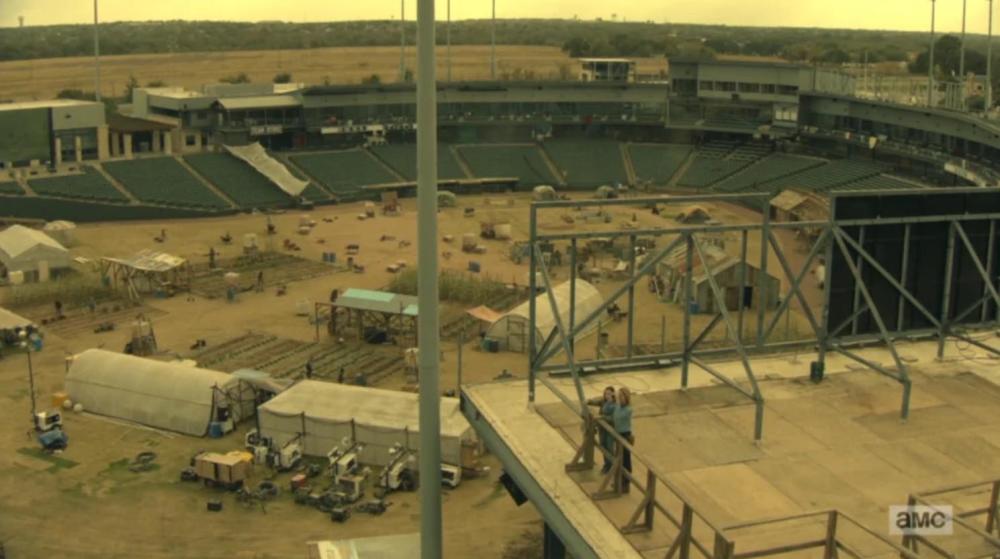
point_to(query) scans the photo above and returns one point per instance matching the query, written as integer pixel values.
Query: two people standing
(616, 410)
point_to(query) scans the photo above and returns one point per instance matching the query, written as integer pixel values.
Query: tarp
(484, 313)
(170, 396)
(258, 158)
(511, 329)
(11, 321)
(150, 261)
(328, 413)
(22, 249)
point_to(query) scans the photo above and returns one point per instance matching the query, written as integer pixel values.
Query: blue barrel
(693, 307)
(215, 430)
(474, 267)
(333, 258)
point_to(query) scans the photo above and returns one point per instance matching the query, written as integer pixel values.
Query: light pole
(402, 40)
(989, 61)
(961, 56)
(447, 34)
(493, 44)
(97, 58)
(26, 346)
(429, 333)
(930, 60)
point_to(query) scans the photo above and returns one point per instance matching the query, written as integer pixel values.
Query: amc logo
(920, 520)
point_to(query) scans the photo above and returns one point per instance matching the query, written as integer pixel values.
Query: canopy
(165, 395)
(11, 321)
(326, 413)
(484, 314)
(23, 249)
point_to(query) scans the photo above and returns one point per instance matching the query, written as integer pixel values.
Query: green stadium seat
(706, 171)
(344, 173)
(657, 162)
(238, 180)
(11, 187)
(769, 169)
(164, 181)
(90, 185)
(525, 162)
(588, 163)
(403, 159)
(831, 175)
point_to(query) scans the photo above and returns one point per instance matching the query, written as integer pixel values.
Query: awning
(484, 313)
(11, 321)
(150, 261)
(259, 102)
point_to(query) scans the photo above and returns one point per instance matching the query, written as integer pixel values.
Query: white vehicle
(398, 474)
(264, 452)
(48, 420)
(451, 475)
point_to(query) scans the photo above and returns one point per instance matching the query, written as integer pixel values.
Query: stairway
(672, 183)
(388, 168)
(115, 183)
(462, 163)
(629, 167)
(551, 164)
(207, 183)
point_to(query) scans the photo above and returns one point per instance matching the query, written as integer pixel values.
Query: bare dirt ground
(93, 507)
(43, 79)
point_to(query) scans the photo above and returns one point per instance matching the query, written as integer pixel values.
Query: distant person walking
(309, 369)
(623, 425)
(607, 404)
(260, 282)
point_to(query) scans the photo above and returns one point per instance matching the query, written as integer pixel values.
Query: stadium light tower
(447, 33)
(428, 342)
(493, 44)
(961, 56)
(97, 57)
(930, 61)
(402, 40)
(989, 61)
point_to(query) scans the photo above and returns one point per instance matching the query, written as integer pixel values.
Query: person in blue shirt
(622, 416)
(607, 404)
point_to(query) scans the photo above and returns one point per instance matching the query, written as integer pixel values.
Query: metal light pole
(26, 346)
(961, 57)
(930, 63)
(427, 287)
(493, 44)
(989, 61)
(402, 40)
(447, 34)
(97, 57)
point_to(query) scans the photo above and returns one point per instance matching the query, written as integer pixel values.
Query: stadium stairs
(385, 165)
(207, 183)
(297, 169)
(551, 164)
(462, 163)
(627, 159)
(116, 183)
(682, 170)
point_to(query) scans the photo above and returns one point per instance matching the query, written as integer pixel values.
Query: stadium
(795, 278)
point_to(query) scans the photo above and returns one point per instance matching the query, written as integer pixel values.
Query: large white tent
(511, 329)
(171, 396)
(23, 249)
(326, 414)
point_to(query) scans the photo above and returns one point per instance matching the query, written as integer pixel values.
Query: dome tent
(511, 329)
(446, 199)
(544, 193)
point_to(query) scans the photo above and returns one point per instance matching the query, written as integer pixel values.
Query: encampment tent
(325, 414)
(171, 396)
(544, 193)
(27, 250)
(446, 199)
(511, 329)
(64, 232)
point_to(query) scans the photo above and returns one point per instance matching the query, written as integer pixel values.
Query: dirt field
(99, 509)
(42, 79)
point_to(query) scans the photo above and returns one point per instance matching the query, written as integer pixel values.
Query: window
(190, 140)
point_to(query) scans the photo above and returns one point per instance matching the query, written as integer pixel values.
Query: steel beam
(949, 267)
(857, 284)
(686, 308)
(795, 290)
(533, 361)
(741, 296)
(904, 270)
(990, 249)
(631, 298)
(765, 233)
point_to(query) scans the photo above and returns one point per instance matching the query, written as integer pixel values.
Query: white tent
(170, 396)
(63, 232)
(24, 250)
(326, 413)
(511, 330)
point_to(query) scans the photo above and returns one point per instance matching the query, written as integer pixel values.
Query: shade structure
(513, 328)
(171, 396)
(23, 249)
(327, 414)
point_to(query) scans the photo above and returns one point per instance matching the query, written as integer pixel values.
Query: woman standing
(608, 405)
(622, 416)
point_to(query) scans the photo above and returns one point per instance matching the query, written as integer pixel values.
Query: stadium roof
(44, 104)
(122, 123)
(259, 102)
(743, 62)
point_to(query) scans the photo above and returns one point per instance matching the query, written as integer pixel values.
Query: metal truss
(833, 239)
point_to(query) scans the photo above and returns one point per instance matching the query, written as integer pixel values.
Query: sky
(906, 15)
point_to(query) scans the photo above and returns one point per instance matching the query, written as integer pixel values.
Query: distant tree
(834, 56)
(130, 86)
(242, 77)
(577, 47)
(77, 94)
(724, 45)
(157, 83)
(283, 77)
(408, 75)
(947, 58)
(373, 79)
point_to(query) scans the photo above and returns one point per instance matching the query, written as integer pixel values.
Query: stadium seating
(657, 162)
(588, 163)
(163, 180)
(771, 168)
(344, 173)
(11, 187)
(525, 162)
(403, 159)
(876, 182)
(707, 170)
(825, 177)
(91, 185)
(241, 182)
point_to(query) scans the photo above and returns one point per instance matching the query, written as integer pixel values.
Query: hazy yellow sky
(912, 15)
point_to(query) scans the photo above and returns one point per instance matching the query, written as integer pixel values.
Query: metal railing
(963, 521)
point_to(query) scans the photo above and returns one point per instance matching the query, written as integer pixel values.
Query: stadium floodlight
(930, 61)
(493, 44)
(97, 58)
(447, 33)
(402, 40)
(989, 60)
